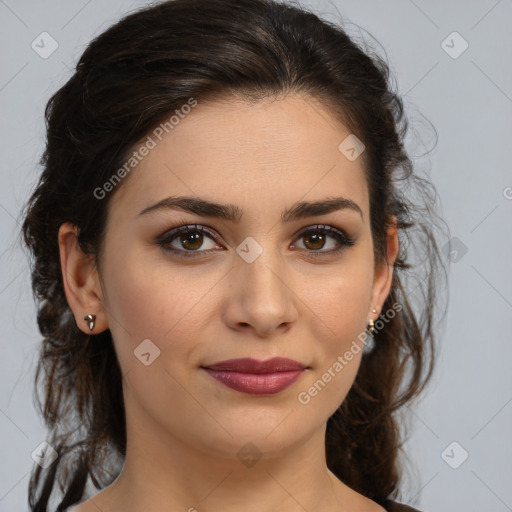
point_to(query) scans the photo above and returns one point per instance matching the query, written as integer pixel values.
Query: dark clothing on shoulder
(394, 506)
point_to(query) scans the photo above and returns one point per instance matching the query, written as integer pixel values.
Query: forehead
(269, 153)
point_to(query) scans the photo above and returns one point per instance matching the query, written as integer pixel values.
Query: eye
(316, 238)
(186, 241)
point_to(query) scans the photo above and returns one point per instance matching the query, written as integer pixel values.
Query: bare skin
(184, 428)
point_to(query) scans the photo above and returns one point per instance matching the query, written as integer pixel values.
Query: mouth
(255, 377)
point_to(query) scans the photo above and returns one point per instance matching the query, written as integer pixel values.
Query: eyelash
(163, 241)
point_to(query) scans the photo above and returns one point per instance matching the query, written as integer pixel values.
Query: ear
(383, 277)
(81, 281)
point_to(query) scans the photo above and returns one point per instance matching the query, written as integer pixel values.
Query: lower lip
(256, 383)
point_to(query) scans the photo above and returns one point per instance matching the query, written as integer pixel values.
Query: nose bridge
(262, 276)
(265, 297)
(259, 267)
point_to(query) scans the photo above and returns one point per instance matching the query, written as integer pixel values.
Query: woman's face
(254, 285)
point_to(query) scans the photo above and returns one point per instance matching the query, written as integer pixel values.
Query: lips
(256, 377)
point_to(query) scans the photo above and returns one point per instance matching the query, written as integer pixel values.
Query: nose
(261, 297)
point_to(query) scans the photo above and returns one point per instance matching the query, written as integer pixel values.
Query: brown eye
(317, 238)
(314, 241)
(191, 241)
(188, 239)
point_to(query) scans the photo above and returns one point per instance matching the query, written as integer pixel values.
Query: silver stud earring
(91, 320)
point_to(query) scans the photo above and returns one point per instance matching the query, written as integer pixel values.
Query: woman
(220, 245)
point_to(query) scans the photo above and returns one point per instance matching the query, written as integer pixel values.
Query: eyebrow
(233, 213)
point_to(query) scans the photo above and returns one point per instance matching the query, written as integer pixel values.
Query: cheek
(145, 302)
(340, 299)
(339, 306)
(151, 316)
(152, 298)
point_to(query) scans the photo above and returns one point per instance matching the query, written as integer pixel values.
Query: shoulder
(394, 506)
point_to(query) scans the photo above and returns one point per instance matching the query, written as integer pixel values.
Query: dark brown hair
(129, 79)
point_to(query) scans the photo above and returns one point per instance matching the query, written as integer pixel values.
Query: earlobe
(81, 282)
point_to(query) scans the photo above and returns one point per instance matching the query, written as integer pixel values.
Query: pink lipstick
(256, 377)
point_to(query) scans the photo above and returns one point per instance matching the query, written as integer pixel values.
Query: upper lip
(249, 365)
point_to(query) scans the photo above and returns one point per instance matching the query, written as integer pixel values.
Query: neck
(162, 473)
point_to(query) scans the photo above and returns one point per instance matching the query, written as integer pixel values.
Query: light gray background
(469, 101)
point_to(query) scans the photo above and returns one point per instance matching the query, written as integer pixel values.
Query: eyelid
(327, 229)
(172, 233)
